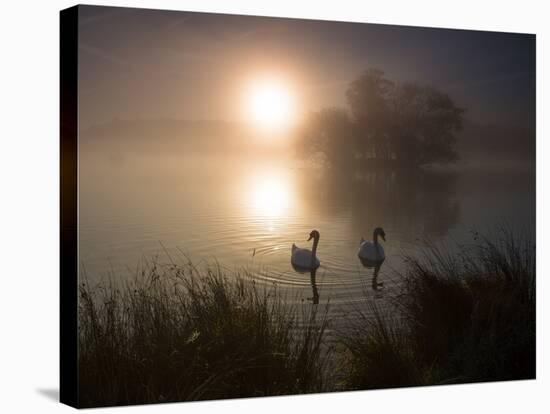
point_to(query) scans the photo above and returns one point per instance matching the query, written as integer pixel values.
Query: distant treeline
(162, 136)
(387, 125)
(390, 124)
(475, 143)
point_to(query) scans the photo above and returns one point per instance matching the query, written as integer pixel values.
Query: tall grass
(462, 317)
(178, 333)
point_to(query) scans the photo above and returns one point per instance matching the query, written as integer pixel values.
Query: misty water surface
(245, 212)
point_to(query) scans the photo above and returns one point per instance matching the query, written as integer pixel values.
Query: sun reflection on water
(270, 196)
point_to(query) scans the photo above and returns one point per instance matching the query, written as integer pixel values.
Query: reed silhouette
(464, 317)
(179, 333)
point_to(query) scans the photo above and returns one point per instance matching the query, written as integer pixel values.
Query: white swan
(372, 251)
(306, 259)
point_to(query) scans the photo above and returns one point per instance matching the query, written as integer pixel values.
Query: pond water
(245, 212)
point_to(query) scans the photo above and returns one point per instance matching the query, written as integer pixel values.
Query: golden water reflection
(270, 195)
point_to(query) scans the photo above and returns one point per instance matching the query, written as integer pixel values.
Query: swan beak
(310, 237)
(383, 237)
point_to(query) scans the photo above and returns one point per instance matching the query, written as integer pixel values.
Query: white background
(29, 206)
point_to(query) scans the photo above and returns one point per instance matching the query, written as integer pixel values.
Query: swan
(372, 251)
(305, 258)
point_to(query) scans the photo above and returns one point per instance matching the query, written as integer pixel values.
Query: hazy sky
(136, 63)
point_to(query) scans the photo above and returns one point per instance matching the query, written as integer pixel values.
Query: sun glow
(270, 104)
(270, 195)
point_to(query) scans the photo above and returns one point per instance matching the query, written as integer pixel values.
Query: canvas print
(271, 206)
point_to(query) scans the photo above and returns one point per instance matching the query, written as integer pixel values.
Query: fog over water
(245, 211)
(228, 138)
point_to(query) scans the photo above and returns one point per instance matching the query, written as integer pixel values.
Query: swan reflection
(312, 279)
(376, 266)
(315, 297)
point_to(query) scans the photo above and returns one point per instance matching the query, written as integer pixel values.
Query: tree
(411, 125)
(394, 124)
(424, 125)
(369, 97)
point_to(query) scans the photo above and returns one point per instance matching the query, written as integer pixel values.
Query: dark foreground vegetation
(467, 317)
(176, 333)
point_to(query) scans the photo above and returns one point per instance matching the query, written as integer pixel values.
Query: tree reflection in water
(413, 202)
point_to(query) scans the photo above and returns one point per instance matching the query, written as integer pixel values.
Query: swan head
(315, 235)
(379, 231)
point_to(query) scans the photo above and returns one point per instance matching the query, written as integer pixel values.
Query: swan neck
(375, 238)
(314, 250)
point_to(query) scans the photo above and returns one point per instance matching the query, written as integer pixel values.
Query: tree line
(387, 124)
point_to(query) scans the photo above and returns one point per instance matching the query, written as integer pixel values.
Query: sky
(152, 64)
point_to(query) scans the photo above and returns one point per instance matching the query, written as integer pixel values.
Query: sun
(270, 104)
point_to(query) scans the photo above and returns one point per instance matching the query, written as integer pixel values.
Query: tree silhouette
(369, 97)
(390, 124)
(424, 125)
(407, 123)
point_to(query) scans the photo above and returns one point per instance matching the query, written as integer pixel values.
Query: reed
(179, 333)
(468, 316)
